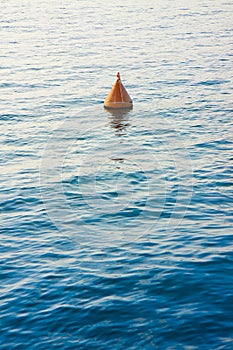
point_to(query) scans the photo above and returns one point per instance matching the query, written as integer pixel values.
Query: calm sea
(116, 228)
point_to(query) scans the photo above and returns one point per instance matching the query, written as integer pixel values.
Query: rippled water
(116, 228)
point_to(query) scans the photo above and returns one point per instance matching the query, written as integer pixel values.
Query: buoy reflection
(118, 120)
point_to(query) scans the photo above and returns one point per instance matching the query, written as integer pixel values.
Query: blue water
(116, 228)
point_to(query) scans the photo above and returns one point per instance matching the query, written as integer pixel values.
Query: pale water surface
(116, 228)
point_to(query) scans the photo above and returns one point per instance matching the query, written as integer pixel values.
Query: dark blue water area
(116, 227)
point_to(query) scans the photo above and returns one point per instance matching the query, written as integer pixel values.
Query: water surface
(116, 228)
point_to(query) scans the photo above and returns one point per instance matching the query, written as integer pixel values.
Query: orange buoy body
(118, 97)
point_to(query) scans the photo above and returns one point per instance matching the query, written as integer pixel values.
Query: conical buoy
(118, 97)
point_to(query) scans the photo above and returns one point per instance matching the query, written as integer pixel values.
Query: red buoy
(118, 97)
